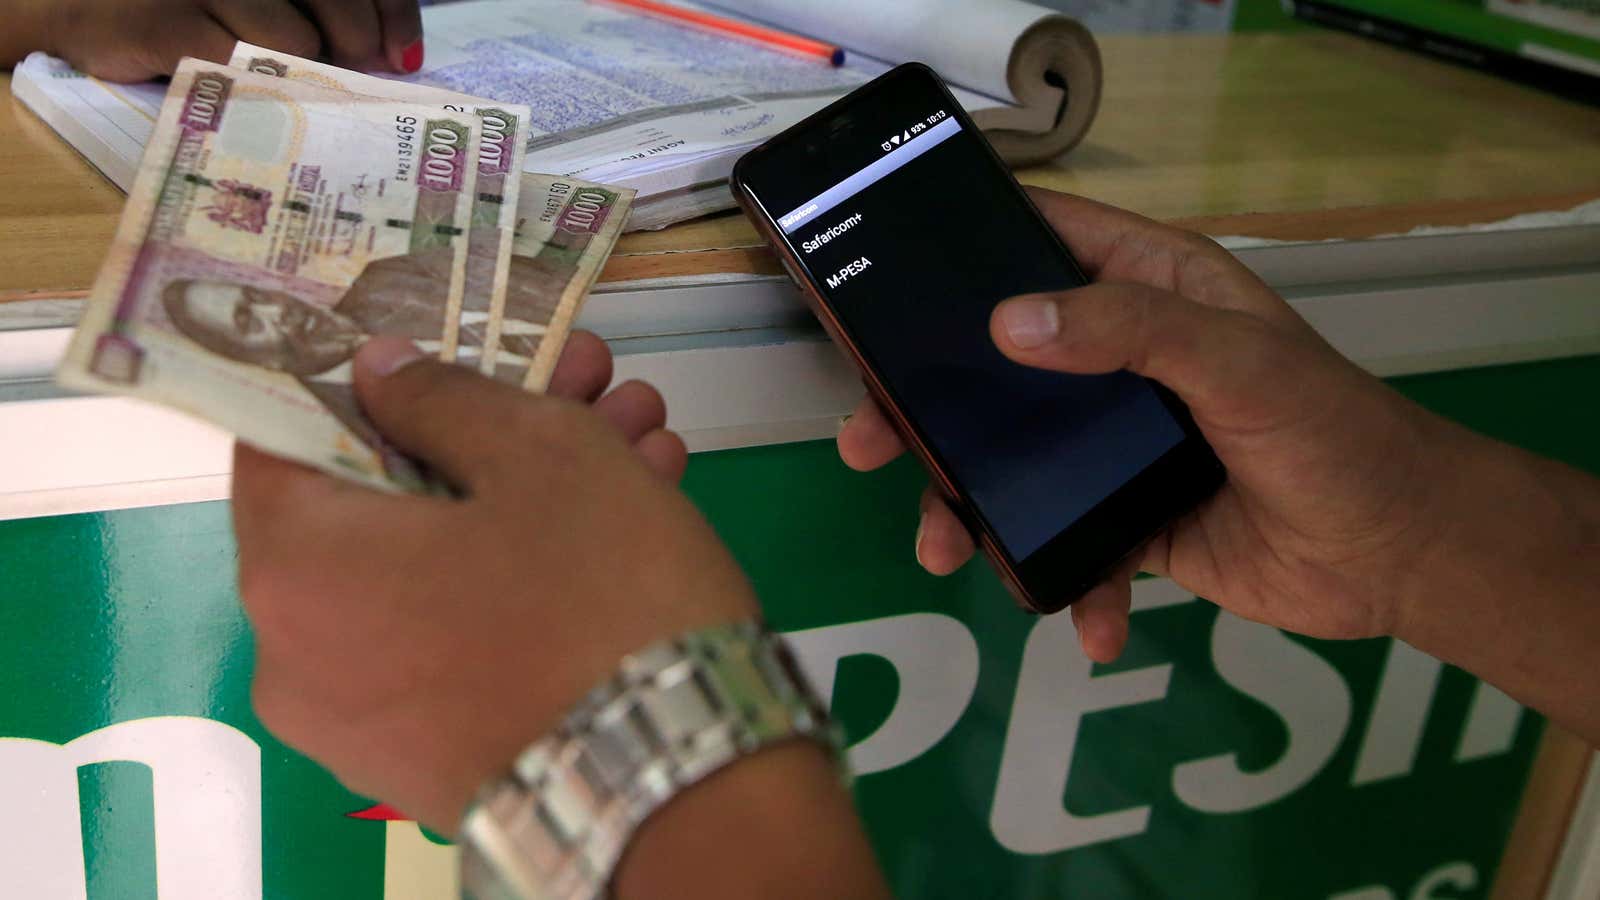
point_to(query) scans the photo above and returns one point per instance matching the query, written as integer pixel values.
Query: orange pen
(756, 34)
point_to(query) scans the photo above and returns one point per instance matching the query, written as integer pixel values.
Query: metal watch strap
(555, 826)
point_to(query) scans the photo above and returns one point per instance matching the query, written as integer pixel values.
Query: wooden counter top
(1305, 136)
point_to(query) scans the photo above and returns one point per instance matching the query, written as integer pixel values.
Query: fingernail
(843, 421)
(1029, 322)
(916, 545)
(411, 57)
(383, 356)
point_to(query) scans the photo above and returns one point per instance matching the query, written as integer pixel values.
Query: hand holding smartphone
(904, 230)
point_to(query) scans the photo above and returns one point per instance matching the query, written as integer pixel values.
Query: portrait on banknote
(271, 329)
(310, 341)
(274, 227)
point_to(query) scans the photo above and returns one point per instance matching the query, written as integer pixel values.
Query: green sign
(1217, 758)
(1549, 30)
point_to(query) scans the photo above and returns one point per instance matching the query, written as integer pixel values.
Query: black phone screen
(913, 234)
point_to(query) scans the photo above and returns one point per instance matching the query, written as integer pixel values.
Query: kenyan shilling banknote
(502, 147)
(566, 229)
(273, 227)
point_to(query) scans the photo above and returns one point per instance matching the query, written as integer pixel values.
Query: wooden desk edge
(1555, 783)
(1352, 223)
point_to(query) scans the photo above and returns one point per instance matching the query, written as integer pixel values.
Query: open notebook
(633, 101)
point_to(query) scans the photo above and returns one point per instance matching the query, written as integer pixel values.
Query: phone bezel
(1088, 549)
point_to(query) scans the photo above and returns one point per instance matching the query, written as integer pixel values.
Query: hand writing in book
(134, 40)
(1324, 502)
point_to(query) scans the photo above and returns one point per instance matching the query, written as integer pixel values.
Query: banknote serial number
(405, 139)
(553, 200)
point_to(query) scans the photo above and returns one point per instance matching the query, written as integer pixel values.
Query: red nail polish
(411, 59)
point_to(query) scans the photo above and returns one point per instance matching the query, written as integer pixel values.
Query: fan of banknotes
(286, 211)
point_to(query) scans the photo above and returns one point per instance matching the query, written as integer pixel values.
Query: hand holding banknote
(134, 40)
(414, 645)
(540, 478)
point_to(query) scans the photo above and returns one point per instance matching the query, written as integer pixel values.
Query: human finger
(1101, 617)
(274, 24)
(1093, 230)
(351, 32)
(633, 408)
(584, 369)
(265, 487)
(1117, 245)
(867, 440)
(163, 45)
(285, 513)
(401, 26)
(664, 452)
(1156, 555)
(448, 416)
(942, 544)
(1221, 363)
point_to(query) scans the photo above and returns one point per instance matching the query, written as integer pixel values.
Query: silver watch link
(555, 826)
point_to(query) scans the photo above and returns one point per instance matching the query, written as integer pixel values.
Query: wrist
(777, 824)
(1446, 472)
(1407, 495)
(715, 732)
(1498, 523)
(509, 702)
(1508, 593)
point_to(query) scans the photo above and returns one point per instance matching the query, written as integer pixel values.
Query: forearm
(777, 825)
(27, 29)
(1510, 589)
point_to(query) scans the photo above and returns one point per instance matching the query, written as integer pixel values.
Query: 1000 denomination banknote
(566, 230)
(273, 227)
(503, 144)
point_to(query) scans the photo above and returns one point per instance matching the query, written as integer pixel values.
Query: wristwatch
(554, 827)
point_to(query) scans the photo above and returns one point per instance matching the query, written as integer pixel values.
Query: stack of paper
(664, 109)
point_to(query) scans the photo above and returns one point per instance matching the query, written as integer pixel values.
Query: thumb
(1210, 357)
(444, 415)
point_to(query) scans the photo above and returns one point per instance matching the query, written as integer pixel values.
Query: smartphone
(903, 229)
